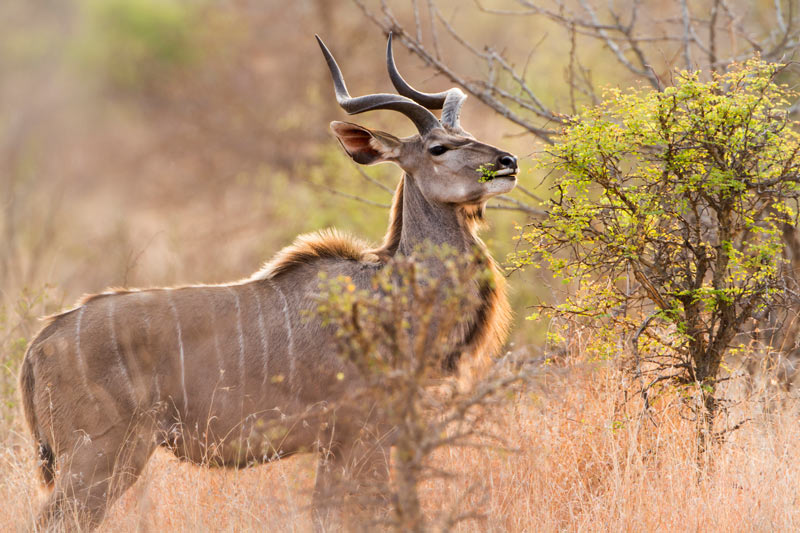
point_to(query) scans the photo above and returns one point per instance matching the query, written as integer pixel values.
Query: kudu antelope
(213, 372)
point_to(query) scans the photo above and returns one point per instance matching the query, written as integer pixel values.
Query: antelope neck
(437, 223)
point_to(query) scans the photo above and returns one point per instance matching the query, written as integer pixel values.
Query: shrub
(399, 335)
(668, 212)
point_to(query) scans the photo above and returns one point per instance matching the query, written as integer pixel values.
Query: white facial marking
(115, 347)
(506, 172)
(180, 347)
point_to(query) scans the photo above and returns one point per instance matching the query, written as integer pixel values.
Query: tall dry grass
(583, 462)
(197, 175)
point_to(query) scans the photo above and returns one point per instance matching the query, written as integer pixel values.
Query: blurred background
(155, 142)
(161, 142)
(166, 142)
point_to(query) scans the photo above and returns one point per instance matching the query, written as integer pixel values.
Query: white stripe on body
(180, 346)
(143, 312)
(157, 384)
(217, 352)
(81, 363)
(292, 362)
(241, 338)
(217, 399)
(262, 330)
(117, 352)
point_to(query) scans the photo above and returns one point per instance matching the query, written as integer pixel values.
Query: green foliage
(487, 172)
(132, 42)
(400, 328)
(398, 333)
(673, 203)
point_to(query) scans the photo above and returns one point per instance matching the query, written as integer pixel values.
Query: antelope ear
(366, 146)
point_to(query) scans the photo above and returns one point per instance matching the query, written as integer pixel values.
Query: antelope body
(239, 374)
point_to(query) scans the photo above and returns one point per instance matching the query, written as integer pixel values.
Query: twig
(370, 179)
(687, 36)
(349, 196)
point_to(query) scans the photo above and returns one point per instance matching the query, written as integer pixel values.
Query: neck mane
(454, 225)
(391, 240)
(413, 220)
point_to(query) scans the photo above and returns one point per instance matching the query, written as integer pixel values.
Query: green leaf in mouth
(487, 172)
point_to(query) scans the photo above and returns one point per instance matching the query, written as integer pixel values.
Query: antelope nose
(507, 161)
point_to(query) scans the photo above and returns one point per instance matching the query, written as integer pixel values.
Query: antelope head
(448, 164)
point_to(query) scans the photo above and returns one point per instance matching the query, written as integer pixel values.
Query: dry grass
(575, 470)
(197, 178)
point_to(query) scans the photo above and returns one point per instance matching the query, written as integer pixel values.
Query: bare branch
(370, 179)
(349, 196)
(434, 33)
(612, 45)
(712, 37)
(779, 16)
(687, 35)
(417, 23)
(518, 206)
(480, 90)
(529, 193)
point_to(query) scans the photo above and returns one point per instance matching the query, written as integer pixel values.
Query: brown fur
(484, 338)
(46, 456)
(392, 238)
(85, 299)
(324, 244)
(493, 331)
(493, 317)
(215, 371)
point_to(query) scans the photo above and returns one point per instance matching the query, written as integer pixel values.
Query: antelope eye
(438, 149)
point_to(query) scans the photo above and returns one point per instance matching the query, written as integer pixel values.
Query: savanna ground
(576, 467)
(153, 143)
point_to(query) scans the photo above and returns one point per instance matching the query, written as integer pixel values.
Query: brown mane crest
(85, 299)
(310, 247)
(111, 291)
